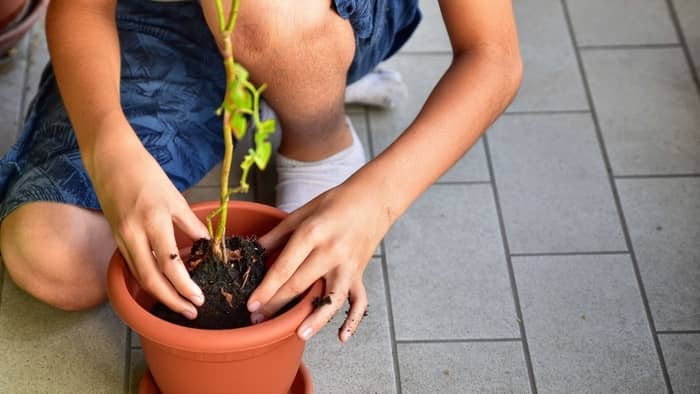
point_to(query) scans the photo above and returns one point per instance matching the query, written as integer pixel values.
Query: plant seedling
(229, 269)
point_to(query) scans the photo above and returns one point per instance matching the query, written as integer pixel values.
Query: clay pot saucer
(302, 383)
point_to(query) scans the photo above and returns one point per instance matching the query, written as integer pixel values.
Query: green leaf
(239, 96)
(262, 155)
(266, 127)
(263, 132)
(240, 71)
(239, 124)
(248, 160)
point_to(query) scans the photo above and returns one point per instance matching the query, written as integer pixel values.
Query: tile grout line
(618, 203)
(511, 271)
(627, 46)
(385, 278)
(390, 316)
(127, 362)
(684, 43)
(467, 340)
(546, 254)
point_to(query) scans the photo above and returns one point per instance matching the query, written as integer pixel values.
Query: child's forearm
(475, 90)
(84, 47)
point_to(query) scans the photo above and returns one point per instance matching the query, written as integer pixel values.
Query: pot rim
(203, 340)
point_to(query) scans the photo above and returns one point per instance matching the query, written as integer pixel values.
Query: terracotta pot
(10, 37)
(263, 358)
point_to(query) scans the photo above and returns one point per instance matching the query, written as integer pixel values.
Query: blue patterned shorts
(172, 80)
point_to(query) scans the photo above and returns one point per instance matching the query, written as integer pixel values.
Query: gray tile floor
(568, 235)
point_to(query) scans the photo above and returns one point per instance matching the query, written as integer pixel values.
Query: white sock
(299, 182)
(381, 87)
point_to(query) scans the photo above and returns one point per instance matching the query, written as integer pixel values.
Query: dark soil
(318, 302)
(226, 287)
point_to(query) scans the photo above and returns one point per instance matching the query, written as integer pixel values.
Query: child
(124, 121)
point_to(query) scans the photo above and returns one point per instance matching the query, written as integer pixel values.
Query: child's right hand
(141, 204)
(137, 198)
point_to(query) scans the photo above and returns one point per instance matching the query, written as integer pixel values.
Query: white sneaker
(381, 87)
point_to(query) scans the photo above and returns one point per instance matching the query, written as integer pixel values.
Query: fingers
(276, 237)
(302, 279)
(163, 241)
(296, 251)
(358, 308)
(189, 223)
(151, 279)
(338, 291)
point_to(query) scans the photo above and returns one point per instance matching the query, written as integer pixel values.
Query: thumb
(189, 223)
(279, 235)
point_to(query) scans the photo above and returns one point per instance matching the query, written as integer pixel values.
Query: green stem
(248, 162)
(226, 30)
(243, 99)
(220, 14)
(225, 173)
(232, 17)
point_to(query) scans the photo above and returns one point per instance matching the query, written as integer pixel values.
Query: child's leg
(58, 253)
(303, 53)
(307, 54)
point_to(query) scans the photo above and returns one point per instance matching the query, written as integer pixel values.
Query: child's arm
(137, 198)
(335, 235)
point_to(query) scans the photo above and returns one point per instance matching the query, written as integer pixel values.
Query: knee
(282, 25)
(286, 33)
(46, 266)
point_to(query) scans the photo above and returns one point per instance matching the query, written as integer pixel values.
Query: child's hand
(141, 205)
(333, 237)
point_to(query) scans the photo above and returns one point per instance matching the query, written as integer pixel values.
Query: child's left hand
(331, 237)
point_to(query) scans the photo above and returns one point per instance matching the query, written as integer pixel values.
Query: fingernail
(190, 313)
(257, 318)
(198, 299)
(306, 332)
(254, 306)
